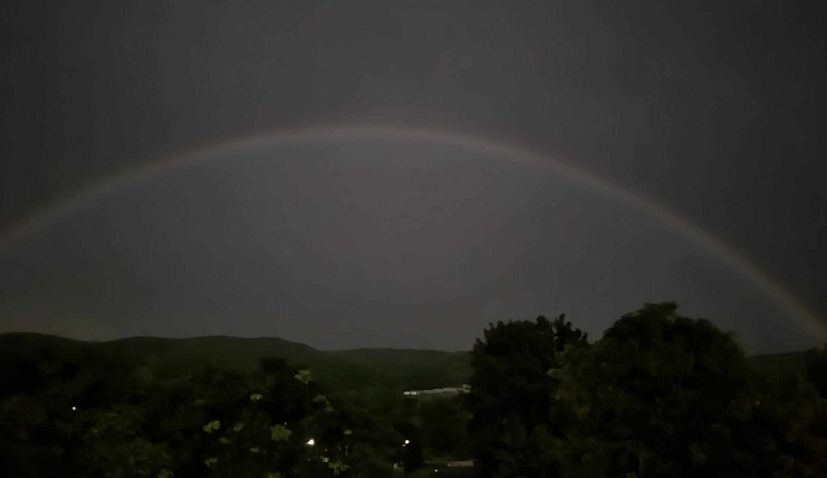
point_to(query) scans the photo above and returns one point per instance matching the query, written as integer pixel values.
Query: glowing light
(74, 408)
(311, 442)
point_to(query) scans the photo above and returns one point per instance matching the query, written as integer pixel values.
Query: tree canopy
(658, 395)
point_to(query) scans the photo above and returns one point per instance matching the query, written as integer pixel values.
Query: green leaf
(337, 467)
(280, 433)
(212, 426)
(303, 376)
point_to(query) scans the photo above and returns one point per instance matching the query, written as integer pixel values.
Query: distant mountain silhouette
(336, 370)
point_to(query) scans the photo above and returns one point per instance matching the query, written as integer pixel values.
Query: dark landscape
(533, 398)
(419, 238)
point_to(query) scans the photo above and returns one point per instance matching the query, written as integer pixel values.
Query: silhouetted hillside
(419, 369)
(347, 369)
(343, 369)
(776, 365)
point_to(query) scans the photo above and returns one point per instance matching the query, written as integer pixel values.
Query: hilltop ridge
(338, 369)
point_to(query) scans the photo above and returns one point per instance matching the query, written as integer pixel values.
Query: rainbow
(41, 218)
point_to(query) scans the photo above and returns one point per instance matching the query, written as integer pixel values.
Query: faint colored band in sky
(497, 150)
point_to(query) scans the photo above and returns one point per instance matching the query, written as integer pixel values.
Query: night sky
(400, 173)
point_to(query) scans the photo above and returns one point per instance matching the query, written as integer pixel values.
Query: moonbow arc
(498, 150)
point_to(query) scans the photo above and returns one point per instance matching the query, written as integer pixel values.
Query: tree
(444, 424)
(792, 409)
(816, 360)
(114, 445)
(512, 393)
(663, 395)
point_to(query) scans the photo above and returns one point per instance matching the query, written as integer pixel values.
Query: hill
(336, 370)
(416, 369)
(777, 365)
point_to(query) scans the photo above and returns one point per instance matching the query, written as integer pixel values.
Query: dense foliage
(512, 393)
(95, 416)
(659, 395)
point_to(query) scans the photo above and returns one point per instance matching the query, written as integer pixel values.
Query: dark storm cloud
(715, 109)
